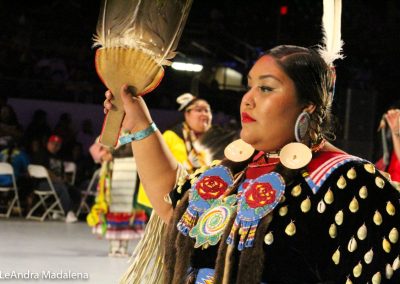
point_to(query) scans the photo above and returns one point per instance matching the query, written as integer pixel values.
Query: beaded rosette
(211, 224)
(257, 198)
(203, 193)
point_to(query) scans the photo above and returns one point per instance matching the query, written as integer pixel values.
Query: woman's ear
(309, 108)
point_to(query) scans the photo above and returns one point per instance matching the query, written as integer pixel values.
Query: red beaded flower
(211, 187)
(260, 194)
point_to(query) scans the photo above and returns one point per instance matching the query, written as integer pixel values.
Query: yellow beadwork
(394, 235)
(333, 231)
(305, 205)
(362, 232)
(390, 209)
(369, 168)
(283, 210)
(351, 174)
(269, 238)
(357, 270)
(376, 279)
(328, 197)
(339, 217)
(379, 182)
(353, 206)
(388, 271)
(341, 183)
(363, 192)
(290, 229)
(296, 191)
(386, 245)
(336, 257)
(377, 218)
(369, 256)
(396, 263)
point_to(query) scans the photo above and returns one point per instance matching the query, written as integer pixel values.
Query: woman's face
(199, 116)
(270, 107)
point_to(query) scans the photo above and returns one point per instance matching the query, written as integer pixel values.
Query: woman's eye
(265, 89)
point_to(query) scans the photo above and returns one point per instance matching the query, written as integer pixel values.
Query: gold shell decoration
(353, 206)
(357, 270)
(336, 257)
(296, 191)
(390, 208)
(379, 182)
(341, 183)
(396, 263)
(369, 256)
(351, 174)
(283, 210)
(394, 235)
(388, 271)
(362, 232)
(352, 246)
(328, 197)
(348, 281)
(377, 218)
(363, 192)
(269, 238)
(386, 245)
(339, 217)
(290, 229)
(305, 205)
(333, 231)
(369, 168)
(283, 199)
(321, 206)
(376, 279)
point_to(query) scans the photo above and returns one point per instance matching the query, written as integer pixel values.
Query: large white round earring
(302, 125)
(295, 155)
(238, 151)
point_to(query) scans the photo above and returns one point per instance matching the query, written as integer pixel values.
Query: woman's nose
(248, 99)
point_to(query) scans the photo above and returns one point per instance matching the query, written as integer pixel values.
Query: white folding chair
(70, 171)
(48, 199)
(91, 190)
(7, 169)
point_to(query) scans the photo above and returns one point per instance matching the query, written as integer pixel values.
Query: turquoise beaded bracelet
(138, 135)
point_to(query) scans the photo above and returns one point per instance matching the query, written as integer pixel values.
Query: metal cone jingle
(238, 151)
(295, 155)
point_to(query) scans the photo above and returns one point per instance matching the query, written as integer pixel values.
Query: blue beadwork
(138, 135)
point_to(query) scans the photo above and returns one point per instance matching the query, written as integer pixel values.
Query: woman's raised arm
(156, 166)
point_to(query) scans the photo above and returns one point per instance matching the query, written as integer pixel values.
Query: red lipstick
(247, 118)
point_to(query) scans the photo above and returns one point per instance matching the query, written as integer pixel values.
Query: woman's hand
(393, 119)
(137, 116)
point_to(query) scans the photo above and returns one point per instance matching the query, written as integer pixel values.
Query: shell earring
(302, 125)
(238, 151)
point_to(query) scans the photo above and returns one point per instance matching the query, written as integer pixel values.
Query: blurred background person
(114, 214)
(49, 158)
(10, 129)
(19, 160)
(390, 138)
(181, 139)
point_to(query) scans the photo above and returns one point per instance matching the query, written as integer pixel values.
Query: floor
(55, 252)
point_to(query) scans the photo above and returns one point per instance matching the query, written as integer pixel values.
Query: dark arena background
(46, 59)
